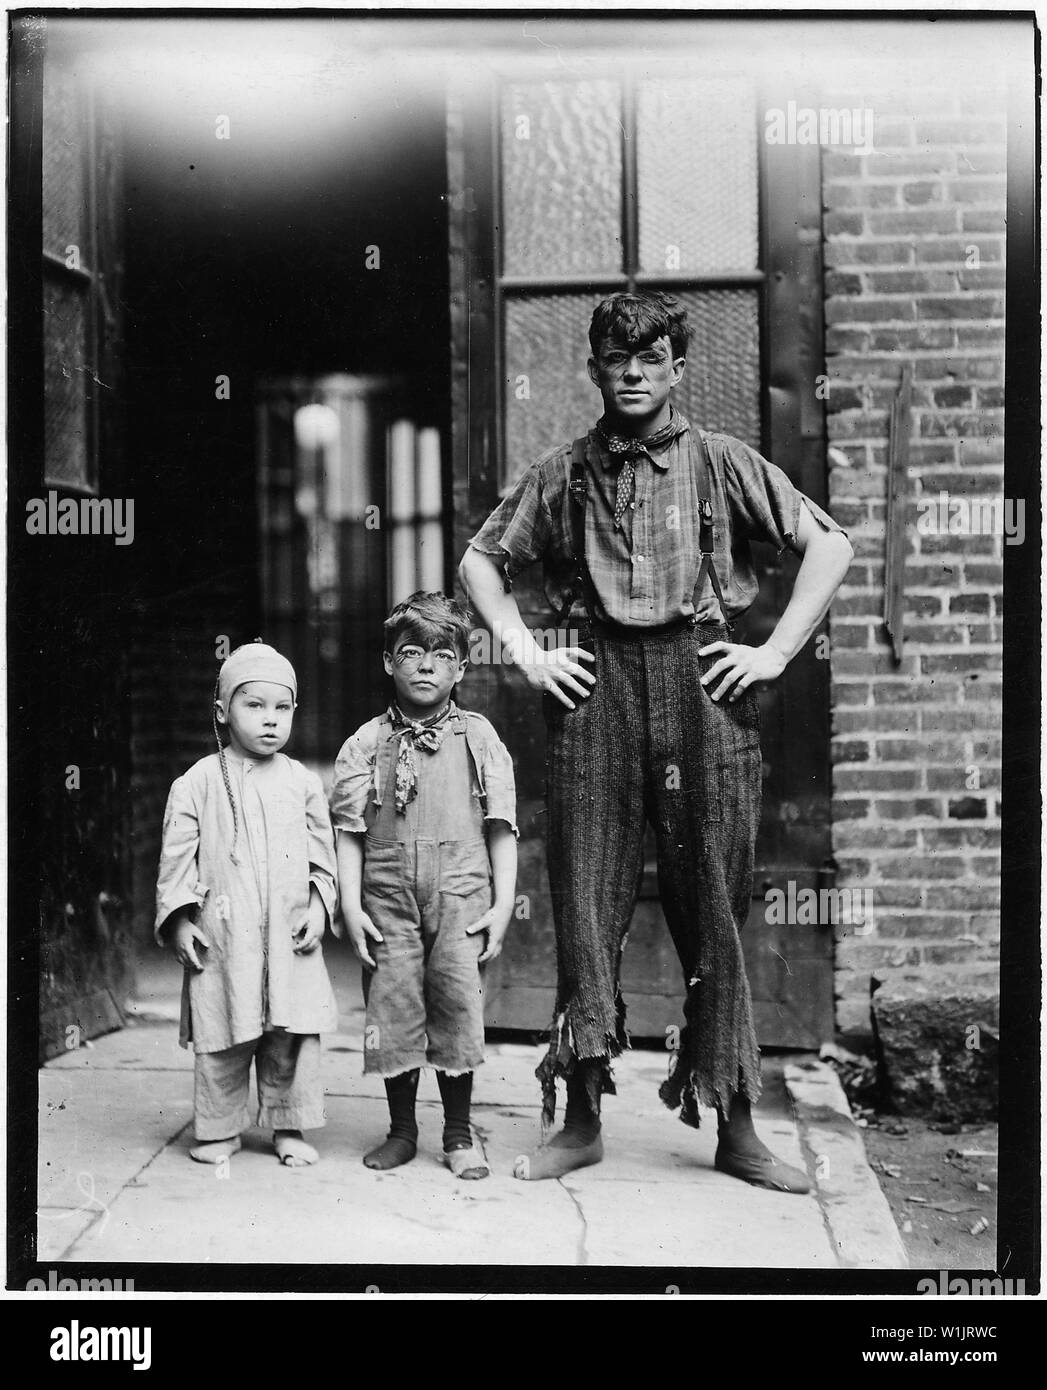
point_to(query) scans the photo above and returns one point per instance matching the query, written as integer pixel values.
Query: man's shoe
(761, 1170)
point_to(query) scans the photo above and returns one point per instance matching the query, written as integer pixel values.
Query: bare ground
(941, 1183)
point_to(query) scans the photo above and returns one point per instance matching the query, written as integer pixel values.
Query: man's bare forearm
(825, 563)
(557, 672)
(483, 581)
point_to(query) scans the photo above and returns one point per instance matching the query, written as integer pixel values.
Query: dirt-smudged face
(423, 678)
(635, 383)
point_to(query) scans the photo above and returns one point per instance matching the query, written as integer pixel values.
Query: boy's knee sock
(456, 1093)
(401, 1092)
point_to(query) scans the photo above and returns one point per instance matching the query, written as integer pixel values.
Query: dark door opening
(303, 242)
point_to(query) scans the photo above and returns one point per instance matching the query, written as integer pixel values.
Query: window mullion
(630, 205)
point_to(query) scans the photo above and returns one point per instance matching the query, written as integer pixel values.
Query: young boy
(424, 809)
(643, 527)
(246, 887)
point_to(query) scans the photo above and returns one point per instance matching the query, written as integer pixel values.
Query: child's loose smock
(426, 879)
(252, 978)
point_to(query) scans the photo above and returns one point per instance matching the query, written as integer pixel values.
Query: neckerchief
(628, 449)
(426, 734)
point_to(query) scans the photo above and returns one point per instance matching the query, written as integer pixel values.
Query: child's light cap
(254, 662)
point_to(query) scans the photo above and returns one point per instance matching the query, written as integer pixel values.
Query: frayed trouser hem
(563, 1058)
(390, 1073)
(686, 1091)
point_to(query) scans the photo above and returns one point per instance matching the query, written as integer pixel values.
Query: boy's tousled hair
(635, 320)
(430, 618)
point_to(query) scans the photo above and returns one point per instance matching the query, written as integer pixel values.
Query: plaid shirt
(644, 571)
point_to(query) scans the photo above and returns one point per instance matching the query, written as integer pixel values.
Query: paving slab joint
(583, 1254)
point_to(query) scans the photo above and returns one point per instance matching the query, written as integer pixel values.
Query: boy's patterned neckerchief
(627, 449)
(426, 734)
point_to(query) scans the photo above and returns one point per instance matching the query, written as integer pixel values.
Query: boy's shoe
(470, 1163)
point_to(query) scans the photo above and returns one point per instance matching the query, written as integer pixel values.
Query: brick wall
(196, 579)
(173, 670)
(914, 273)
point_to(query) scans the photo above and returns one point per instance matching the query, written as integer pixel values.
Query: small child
(246, 888)
(424, 809)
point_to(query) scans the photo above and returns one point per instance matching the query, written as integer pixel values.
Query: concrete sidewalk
(116, 1183)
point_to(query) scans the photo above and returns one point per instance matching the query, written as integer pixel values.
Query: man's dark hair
(636, 320)
(431, 620)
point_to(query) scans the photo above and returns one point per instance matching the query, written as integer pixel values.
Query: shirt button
(632, 506)
(639, 559)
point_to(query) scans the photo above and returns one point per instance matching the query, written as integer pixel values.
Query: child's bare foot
(215, 1150)
(393, 1153)
(467, 1161)
(292, 1150)
(570, 1149)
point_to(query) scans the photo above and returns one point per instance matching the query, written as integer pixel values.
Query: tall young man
(643, 529)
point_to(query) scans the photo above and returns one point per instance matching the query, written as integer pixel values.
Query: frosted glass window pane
(62, 167)
(561, 177)
(65, 398)
(720, 389)
(697, 175)
(548, 395)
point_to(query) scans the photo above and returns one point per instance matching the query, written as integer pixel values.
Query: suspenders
(578, 488)
(582, 583)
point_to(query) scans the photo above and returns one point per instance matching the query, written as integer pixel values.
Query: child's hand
(184, 940)
(360, 927)
(307, 937)
(310, 933)
(495, 922)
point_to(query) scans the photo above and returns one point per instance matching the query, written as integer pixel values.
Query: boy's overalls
(650, 744)
(426, 877)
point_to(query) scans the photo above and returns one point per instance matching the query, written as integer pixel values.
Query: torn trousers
(649, 744)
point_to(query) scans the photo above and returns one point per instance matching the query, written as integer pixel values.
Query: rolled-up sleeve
(517, 532)
(764, 502)
(353, 777)
(178, 881)
(323, 873)
(499, 784)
